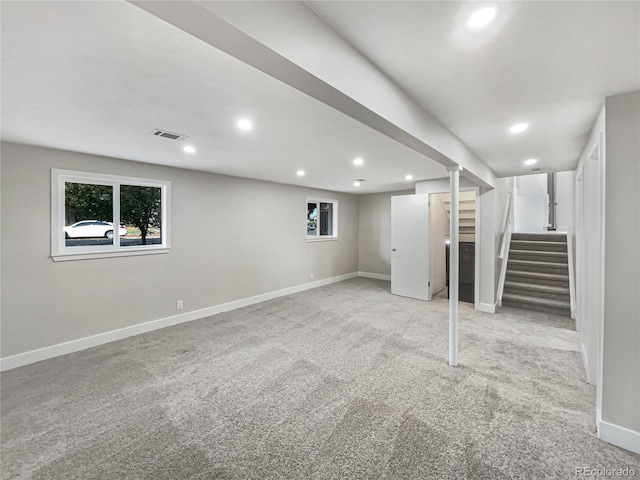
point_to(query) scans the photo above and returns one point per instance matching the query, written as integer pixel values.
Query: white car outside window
(92, 229)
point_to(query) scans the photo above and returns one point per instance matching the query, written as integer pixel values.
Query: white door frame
(591, 262)
(476, 274)
(579, 264)
(599, 281)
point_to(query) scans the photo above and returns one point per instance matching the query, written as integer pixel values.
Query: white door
(410, 246)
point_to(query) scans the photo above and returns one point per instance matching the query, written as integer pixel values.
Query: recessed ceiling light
(358, 161)
(189, 149)
(519, 127)
(531, 161)
(356, 183)
(245, 124)
(482, 18)
(408, 177)
(300, 173)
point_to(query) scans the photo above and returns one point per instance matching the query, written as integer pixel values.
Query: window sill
(66, 257)
(321, 239)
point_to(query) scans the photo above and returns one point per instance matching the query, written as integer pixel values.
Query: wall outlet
(311, 276)
(179, 305)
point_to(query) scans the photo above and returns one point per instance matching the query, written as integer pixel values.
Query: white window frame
(321, 238)
(60, 252)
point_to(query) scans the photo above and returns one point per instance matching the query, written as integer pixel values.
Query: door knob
(394, 249)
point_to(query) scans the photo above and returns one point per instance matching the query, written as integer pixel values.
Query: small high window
(95, 215)
(322, 219)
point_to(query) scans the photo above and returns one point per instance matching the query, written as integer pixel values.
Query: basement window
(322, 219)
(96, 215)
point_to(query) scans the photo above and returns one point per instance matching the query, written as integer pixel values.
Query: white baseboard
(377, 276)
(619, 436)
(33, 356)
(486, 307)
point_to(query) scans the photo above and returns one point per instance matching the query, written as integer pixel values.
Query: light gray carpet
(341, 382)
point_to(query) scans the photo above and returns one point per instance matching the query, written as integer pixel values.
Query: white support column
(454, 247)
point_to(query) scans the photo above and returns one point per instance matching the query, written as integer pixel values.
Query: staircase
(538, 274)
(467, 214)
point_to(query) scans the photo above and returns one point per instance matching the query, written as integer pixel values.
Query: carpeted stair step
(540, 267)
(540, 237)
(542, 291)
(538, 273)
(538, 256)
(536, 278)
(546, 246)
(556, 307)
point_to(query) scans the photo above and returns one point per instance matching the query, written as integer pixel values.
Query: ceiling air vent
(156, 132)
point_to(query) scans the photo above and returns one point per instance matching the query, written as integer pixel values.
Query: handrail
(506, 218)
(572, 292)
(507, 228)
(503, 270)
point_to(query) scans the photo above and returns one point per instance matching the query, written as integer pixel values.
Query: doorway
(439, 242)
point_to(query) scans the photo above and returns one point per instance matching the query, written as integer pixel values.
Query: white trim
(603, 223)
(486, 307)
(107, 179)
(507, 228)
(59, 250)
(477, 251)
(334, 220)
(579, 265)
(619, 436)
(572, 288)
(503, 267)
(26, 358)
(454, 258)
(377, 276)
(140, 250)
(324, 238)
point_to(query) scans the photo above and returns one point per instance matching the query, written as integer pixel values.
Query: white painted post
(454, 247)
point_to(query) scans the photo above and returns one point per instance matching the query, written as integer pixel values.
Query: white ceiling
(547, 63)
(99, 76)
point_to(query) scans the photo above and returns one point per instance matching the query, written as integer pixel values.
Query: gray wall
(232, 238)
(374, 224)
(621, 352)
